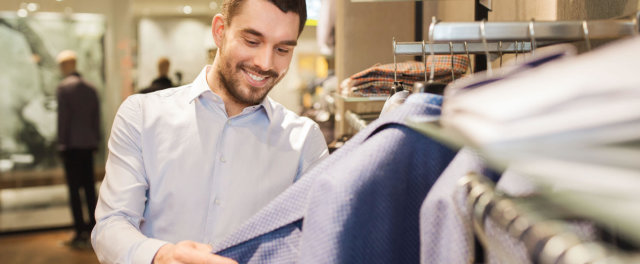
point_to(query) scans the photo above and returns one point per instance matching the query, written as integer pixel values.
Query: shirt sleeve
(314, 150)
(117, 238)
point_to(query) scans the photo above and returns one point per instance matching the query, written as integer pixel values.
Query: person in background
(163, 81)
(78, 137)
(188, 166)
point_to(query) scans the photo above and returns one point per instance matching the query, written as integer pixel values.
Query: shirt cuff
(147, 250)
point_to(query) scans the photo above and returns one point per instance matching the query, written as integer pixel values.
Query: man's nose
(264, 59)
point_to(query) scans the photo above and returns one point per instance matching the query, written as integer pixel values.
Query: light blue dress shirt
(180, 169)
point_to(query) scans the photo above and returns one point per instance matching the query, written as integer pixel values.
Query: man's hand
(187, 252)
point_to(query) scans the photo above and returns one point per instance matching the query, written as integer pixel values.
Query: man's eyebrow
(258, 34)
(252, 32)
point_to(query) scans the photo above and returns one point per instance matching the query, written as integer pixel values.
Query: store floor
(42, 247)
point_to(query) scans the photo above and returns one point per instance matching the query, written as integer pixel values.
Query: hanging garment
(446, 234)
(378, 79)
(511, 70)
(377, 157)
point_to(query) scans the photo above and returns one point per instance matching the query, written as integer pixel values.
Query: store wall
(596, 9)
(364, 33)
(523, 10)
(185, 41)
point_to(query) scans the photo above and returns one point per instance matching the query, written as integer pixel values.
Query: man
(78, 137)
(163, 81)
(187, 166)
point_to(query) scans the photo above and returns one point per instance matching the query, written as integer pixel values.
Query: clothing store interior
(381, 131)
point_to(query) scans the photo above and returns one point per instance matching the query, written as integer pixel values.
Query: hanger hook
(453, 75)
(395, 65)
(424, 59)
(500, 51)
(585, 29)
(516, 43)
(466, 49)
(533, 36)
(483, 34)
(432, 28)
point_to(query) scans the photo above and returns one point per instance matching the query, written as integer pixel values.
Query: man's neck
(232, 107)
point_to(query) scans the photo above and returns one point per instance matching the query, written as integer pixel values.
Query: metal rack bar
(355, 121)
(415, 48)
(543, 30)
(546, 240)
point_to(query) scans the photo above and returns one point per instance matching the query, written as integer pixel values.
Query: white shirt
(180, 169)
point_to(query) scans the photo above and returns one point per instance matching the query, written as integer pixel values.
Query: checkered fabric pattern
(273, 234)
(378, 79)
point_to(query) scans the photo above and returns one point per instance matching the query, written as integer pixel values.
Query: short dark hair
(231, 8)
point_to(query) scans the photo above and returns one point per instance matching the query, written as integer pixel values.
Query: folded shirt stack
(378, 79)
(559, 108)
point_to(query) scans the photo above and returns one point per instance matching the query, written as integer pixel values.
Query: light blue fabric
(385, 161)
(446, 234)
(180, 169)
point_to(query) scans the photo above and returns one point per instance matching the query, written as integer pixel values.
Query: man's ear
(217, 29)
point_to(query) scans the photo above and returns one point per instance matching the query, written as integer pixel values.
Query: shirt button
(222, 159)
(217, 201)
(228, 122)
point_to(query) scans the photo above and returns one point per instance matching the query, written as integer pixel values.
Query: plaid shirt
(378, 79)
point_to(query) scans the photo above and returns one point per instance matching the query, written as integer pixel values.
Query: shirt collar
(200, 86)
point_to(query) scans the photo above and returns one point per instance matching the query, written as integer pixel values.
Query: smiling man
(188, 165)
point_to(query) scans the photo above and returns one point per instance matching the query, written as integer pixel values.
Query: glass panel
(33, 193)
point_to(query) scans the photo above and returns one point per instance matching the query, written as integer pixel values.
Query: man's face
(256, 50)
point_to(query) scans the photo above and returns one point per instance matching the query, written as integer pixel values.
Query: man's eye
(251, 42)
(283, 50)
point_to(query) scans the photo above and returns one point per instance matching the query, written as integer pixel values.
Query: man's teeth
(255, 77)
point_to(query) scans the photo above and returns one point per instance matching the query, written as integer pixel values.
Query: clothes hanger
(500, 52)
(466, 50)
(533, 37)
(453, 74)
(587, 40)
(483, 35)
(397, 86)
(430, 86)
(516, 43)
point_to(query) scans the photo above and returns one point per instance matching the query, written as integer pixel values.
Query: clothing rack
(359, 121)
(512, 37)
(534, 30)
(546, 240)
(419, 48)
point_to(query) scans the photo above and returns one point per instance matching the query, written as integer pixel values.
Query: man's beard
(230, 80)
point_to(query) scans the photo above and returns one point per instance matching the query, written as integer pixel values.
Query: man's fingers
(193, 252)
(217, 259)
(203, 247)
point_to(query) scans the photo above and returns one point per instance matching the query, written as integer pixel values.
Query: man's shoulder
(286, 116)
(162, 100)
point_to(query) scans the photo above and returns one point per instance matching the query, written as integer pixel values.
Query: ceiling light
(22, 12)
(187, 9)
(32, 7)
(59, 0)
(213, 5)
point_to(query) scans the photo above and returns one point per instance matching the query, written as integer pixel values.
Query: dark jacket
(78, 114)
(158, 84)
